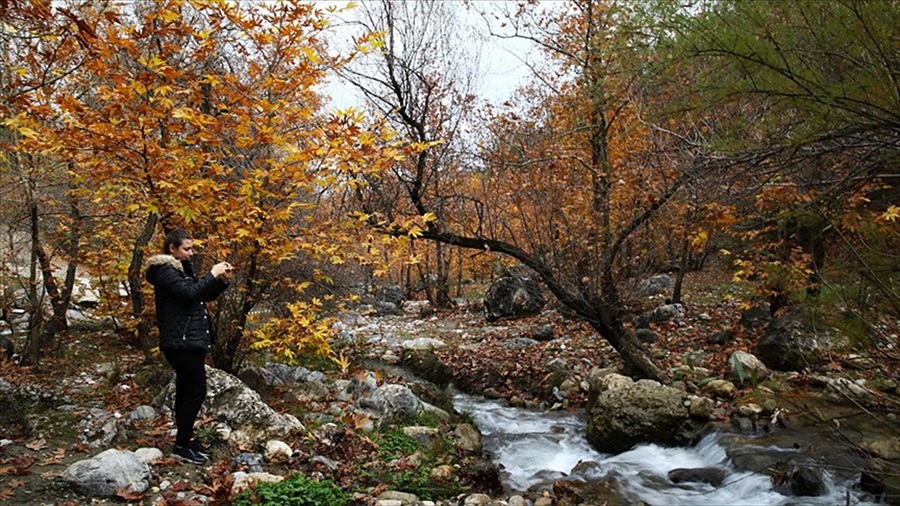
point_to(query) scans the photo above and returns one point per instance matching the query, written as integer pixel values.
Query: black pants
(190, 390)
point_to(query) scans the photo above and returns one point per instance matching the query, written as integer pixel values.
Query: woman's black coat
(181, 303)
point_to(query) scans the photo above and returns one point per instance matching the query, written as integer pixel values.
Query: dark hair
(175, 238)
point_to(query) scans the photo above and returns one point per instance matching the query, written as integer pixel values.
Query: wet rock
(806, 482)
(711, 475)
(109, 472)
(644, 412)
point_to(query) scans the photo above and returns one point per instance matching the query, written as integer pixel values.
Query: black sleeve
(186, 289)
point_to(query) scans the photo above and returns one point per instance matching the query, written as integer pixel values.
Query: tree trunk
(32, 353)
(682, 268)
(637, 363)
(135, 286)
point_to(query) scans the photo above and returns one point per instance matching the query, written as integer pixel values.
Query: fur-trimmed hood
(162, 259)
(156, 261)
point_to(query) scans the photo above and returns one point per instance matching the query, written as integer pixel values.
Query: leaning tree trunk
(636, 361)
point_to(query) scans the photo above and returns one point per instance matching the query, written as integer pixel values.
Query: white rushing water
(535, 448)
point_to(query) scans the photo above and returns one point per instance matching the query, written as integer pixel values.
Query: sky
(502, 64)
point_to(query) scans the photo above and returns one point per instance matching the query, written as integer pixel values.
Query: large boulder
(231, 402)
(513, 297)
(794, 342)
(108, 473)
(627, 413)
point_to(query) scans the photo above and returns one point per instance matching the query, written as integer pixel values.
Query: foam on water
(535, 447)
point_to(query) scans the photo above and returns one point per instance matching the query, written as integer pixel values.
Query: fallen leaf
(128, 494)
(7, 494)
(54, 458)
(181, 486)
(38, 445)
(16, 483)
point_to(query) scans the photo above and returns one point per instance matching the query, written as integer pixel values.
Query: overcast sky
(502, 66)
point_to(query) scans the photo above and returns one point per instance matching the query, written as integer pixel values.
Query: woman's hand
(222, 270)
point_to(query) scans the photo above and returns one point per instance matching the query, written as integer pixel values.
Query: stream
(535, 448)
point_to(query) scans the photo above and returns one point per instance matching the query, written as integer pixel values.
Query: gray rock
(543, 333)
(656, 285)
(513, 297)
(277, 451)
(743, 366)
(233, 403)
(643, 412)
(149, 455)
(467, 438)
(142, 413)
(755, 317)
(392, 402)
(243, 481)
(661, 314)
(392, 294)
(422, 343)
(794, 342)
(845, 390)
(251, 461)
(520, 343)
(648, 336)
(109, 472)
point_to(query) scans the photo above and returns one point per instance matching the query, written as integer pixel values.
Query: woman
(185, 335)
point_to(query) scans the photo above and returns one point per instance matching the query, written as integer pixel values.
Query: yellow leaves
(414, 231)
(892, 213)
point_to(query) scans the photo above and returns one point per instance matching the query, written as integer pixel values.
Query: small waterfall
(535, 448)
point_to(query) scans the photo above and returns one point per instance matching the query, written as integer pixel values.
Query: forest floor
(35, 449)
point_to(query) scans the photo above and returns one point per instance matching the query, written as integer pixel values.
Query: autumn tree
(558, 189)
(807, 103)
(39, 51)
(421, 79)
(204, 115)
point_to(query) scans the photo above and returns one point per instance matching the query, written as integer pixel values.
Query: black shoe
(187, 454)
(199, 448)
